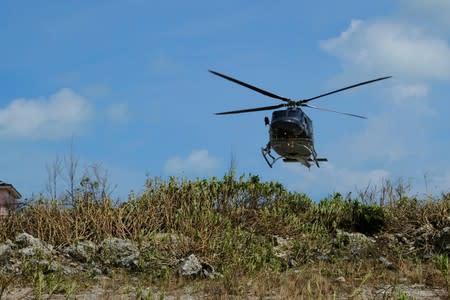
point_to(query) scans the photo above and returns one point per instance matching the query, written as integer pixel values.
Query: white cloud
(411, 52)
(398, 139)
(397, 133)
(61, 115)
(199, 162)
(118, 112)
(382, 140)
(405, 91)
(407, 52)
(391, 47)
(412, 97)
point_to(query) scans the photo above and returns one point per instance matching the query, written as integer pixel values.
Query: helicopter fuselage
(291, 136)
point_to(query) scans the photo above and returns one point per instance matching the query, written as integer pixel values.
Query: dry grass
(231, 223)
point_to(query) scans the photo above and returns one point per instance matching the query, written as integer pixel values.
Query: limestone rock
(31, 246)
(387, 264)
(192, 267)
(356, 242)
(24, 240)
(119, 252)
(83, 251)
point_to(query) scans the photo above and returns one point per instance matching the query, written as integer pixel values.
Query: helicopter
(291, 133)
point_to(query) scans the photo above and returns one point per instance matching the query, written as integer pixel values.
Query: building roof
(11, 189)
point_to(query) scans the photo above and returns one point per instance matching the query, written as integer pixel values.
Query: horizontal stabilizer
(318, 159)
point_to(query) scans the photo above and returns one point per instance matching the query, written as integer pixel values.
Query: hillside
(227, 238)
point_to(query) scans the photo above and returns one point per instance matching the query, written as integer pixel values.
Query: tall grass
(230, 222)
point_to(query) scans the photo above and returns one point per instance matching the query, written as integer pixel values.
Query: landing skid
(271, 160)
(268, 156)
(315, 159)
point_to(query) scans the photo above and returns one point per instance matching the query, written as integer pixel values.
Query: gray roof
(11, 188)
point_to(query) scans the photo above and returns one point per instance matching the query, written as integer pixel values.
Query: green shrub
(349, 215)
(367, 219)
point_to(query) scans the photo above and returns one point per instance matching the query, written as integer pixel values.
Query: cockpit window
(292, 113)
(279, 114)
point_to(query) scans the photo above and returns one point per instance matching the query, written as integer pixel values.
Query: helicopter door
(308, 127)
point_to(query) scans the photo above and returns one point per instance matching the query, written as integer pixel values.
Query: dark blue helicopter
(290, 131)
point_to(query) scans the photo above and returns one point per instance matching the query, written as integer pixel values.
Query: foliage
(230, 223)
(349, 215)
(441, 263)
(367, 219)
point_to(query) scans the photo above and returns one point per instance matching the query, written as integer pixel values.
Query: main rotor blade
(256, 89)
(343, 89)
(251, 109)
(331, 110)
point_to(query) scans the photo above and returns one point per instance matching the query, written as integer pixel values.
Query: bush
(349, 215)
(367, 219)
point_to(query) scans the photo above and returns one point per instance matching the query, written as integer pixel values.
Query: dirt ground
(106, 291)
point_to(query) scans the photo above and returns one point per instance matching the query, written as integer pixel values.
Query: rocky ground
(120, 269)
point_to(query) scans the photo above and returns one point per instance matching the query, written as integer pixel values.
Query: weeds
(5, 282)
(230, 223)
(404, 296)
(441, 263)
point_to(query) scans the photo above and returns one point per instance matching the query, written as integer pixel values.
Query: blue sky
(124, 84)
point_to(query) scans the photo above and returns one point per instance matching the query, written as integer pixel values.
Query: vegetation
(235, 225)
